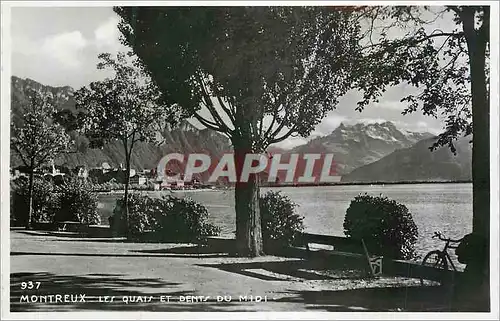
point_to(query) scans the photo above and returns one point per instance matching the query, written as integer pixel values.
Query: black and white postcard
(249, 159)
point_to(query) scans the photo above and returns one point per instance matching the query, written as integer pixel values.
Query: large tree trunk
(128, 156)
(476, 43)
(29, 224)
(248, 220)
(481, 139)
(125, 196)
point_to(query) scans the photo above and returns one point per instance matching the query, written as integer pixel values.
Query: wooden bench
(71, 226)
(344, 246)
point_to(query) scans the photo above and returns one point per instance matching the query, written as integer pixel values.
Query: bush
(386, 226)
(280, 223)
(76, 202)
(44, 201)
(166, 219)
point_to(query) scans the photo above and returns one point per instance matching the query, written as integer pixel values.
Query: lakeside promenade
(180, 277)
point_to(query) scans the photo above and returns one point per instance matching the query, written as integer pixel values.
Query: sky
(58, 46)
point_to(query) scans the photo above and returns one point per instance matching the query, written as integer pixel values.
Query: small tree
(126, 108)
(37, 139)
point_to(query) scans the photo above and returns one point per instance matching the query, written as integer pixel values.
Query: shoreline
(121, 191)
(371, 183)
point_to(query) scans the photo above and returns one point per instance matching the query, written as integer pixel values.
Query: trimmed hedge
(166, 219)
(280, 222)
(386, 226)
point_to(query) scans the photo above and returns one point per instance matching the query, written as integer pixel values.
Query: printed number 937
(30, 285)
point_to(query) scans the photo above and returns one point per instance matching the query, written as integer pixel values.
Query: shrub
(280, 222)
(185, 220)
(44, 201)
(76, 202)
(386, 226)
(165, 219)
(142, 211)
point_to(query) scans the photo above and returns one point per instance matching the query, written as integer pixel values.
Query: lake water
(434, 207)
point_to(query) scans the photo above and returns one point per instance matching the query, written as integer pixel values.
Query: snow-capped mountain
(418, 163)
(360, 144)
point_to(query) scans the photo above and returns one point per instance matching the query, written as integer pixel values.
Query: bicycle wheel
(435, 259)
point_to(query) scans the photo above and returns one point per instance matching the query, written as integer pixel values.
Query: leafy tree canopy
(256, 70)
(127, 107)
(406, 45)
(35, 137)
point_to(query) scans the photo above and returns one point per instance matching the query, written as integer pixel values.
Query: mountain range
(361, 144)
(184, 138)
(362, 152)
(418, 163)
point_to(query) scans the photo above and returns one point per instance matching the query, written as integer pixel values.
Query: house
(81, 171)
(178, 184)
(138, 179)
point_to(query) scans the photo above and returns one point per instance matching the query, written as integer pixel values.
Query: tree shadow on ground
(151, 254)
(190, 251)
(381, 299)
(296, 269)
(374, 294)
(75, 236)
(94, 286)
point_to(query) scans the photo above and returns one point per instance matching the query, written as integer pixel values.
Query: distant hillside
(184, 139)
(361, 144)
(418, 163)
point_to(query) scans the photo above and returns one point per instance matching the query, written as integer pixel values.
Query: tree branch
(411, 41)
(211, 125)
(282, 138)
(210, 106)
(21, 155)
(455, 9)
(273, 121)
(226, 110)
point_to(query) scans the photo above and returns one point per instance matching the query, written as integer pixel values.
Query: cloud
(107, 35)
(390, 104)
(328, 124)
(65, 47)
(291, 142)
(365, 121)
(420, 126)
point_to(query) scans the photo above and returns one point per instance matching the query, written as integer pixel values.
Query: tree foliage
(44, 201)
(76, 202)
(402, 45)
(281, 224)
(36, 138)
(386, 226)
(246, 71)
(126, 107)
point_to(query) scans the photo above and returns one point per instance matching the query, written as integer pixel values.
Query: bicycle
(439, 259)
